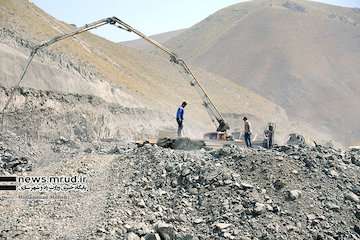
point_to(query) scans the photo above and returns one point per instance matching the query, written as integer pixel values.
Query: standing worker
(180, 118)
(269, 136)
(247, 132)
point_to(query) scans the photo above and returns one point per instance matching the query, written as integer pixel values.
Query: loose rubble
(11, 163)
(288, 192)
(181, 143)
(158, 193)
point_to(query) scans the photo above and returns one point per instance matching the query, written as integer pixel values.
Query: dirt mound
(290, 192)
(181, 143)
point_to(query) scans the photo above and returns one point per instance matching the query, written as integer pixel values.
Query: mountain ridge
(289, 52)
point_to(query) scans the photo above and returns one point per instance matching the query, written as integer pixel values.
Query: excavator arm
(214, 114)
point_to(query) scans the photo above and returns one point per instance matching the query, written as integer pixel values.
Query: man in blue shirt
(180, 118)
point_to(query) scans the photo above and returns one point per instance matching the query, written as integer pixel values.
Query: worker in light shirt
(247, 132)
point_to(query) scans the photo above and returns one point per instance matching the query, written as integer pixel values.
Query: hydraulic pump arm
(215, 115)
(210, 107)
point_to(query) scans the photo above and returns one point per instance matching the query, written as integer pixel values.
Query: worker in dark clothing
(269, 136)
(180, 118)
(247, 132)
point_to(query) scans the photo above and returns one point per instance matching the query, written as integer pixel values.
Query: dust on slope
(304, 56)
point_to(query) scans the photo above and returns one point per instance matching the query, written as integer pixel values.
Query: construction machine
(215, 115)
(221, 126)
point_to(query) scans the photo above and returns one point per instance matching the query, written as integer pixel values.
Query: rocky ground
(11, 163)
(150, 192)
(48, 115)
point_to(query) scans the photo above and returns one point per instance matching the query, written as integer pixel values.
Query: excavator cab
(221, 132)
(223, 126)
(222, 136)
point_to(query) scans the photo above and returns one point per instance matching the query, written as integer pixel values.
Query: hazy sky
(148, 16)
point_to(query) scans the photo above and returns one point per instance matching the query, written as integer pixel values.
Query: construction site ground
(289, 192)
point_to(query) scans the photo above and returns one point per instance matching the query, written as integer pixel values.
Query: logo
(43, 183)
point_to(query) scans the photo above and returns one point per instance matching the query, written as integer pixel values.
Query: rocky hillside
(88, 64)
(302, 55)
(149, 192)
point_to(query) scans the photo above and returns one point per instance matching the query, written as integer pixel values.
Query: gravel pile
(289, 192)
(11, 163)
(144, 192)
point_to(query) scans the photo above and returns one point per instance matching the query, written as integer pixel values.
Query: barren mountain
(302, 55)
(89, 64)
(161, 38)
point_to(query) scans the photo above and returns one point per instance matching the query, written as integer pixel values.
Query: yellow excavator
(221, 126)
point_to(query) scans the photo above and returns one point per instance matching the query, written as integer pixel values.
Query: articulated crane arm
(210, 107)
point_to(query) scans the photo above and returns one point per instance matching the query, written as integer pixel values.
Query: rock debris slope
(290, 192)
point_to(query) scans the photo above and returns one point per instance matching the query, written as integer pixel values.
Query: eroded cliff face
(48, 115)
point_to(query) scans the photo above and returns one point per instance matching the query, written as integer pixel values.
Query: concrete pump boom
(210, 107)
